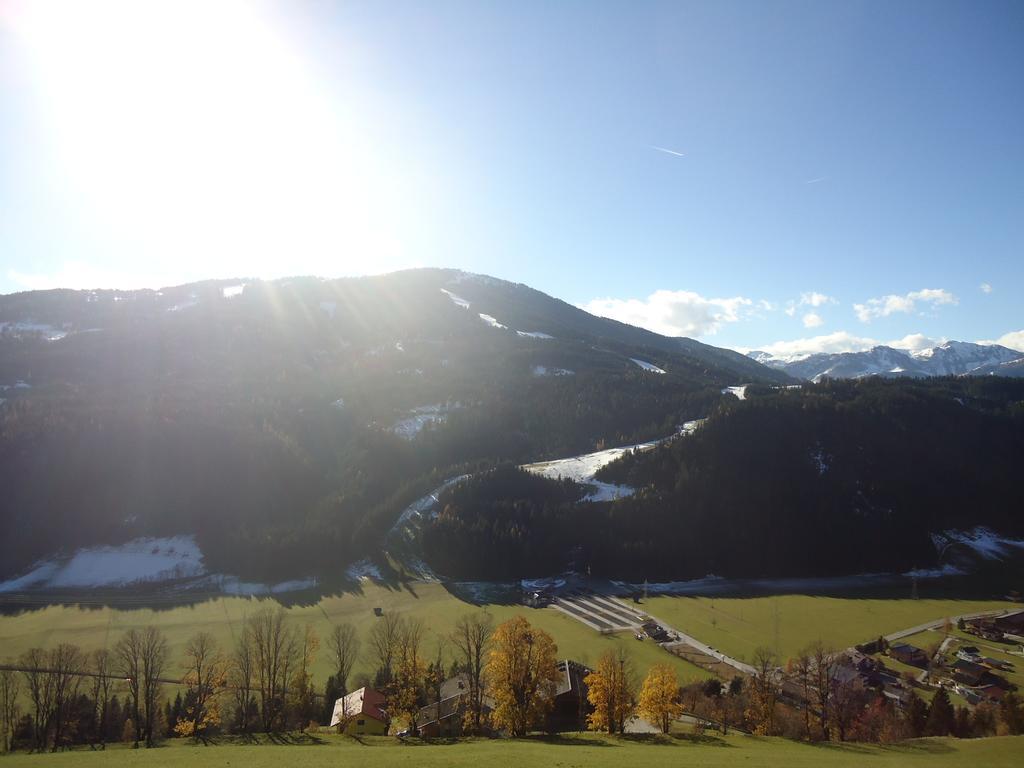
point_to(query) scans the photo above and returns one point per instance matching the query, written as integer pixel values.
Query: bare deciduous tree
(343, 643)
(472, 639)
(275, 653)
(141, 660)
(102, 685)
(824, 661)
(39, 684)
(9, 689)
(66, 664)
(383, 647)
(802, 672)
(242, 674)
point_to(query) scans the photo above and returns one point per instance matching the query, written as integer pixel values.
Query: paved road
(606, 613)
(702, 647)
(938, 623)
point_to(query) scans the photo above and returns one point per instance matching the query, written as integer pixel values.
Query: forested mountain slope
(836, 478)
(286, 423)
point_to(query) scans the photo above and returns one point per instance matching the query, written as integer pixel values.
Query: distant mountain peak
(951, 358)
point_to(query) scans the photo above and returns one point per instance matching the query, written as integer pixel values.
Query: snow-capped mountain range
(954, 358)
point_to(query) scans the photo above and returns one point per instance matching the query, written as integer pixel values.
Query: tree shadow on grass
(568, 740)
(438, 741)
(915, 747)
(675, 739)
(295, 739)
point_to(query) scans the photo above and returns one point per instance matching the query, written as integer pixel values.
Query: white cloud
(812, 320)
(815, 299)
(809, 299)
(887, 305)
(1013, 340)
(673, 313)
(840, 341)
(985, 288)
(915, 342)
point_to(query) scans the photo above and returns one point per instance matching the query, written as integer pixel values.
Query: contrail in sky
(815, 181)
(668, 151)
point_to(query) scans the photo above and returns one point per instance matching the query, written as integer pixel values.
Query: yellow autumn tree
(205, 679)
(301, 695)
(659, 697)
(522, 672)
(611, 692)
(406, 689)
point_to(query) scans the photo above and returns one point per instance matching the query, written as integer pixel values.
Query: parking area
(600, 612)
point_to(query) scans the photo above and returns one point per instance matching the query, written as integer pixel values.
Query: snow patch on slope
(491, 321)
(456, 300)
(647, 366)
(364, 569)
(582, 469)
(982, 540)
(48, 332)
(740, 392)
(231, 585)
(543, 370)
(419, 417)
(139, 560)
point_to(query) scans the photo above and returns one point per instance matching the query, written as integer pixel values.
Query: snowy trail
(583, 468)
(401, 539)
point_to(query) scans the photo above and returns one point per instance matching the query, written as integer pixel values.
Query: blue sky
(847, 173)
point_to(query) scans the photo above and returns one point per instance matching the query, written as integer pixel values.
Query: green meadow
(583, 750)
(788, 623)
(92, 628)
(733, 625)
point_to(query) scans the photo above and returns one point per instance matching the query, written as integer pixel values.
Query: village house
(568, 711)
(969, 653)
(968, 673)
(447, 717)
(570, 708)
(909, 654)
(986, 629)
(1011, 624)
(361, 712)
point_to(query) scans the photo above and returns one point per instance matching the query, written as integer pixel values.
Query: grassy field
(787, 623)
(94, 628)
(586, 750)
(733, 625)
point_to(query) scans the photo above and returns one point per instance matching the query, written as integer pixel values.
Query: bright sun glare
(194, 132)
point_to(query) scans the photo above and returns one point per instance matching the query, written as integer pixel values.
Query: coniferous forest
(835, 478)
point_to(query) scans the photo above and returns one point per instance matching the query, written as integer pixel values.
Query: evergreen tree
(177, 711)
(115, 720)
(963, 729)
(332, 692)
(1011, 714)
(917, 715)
(941, 718)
